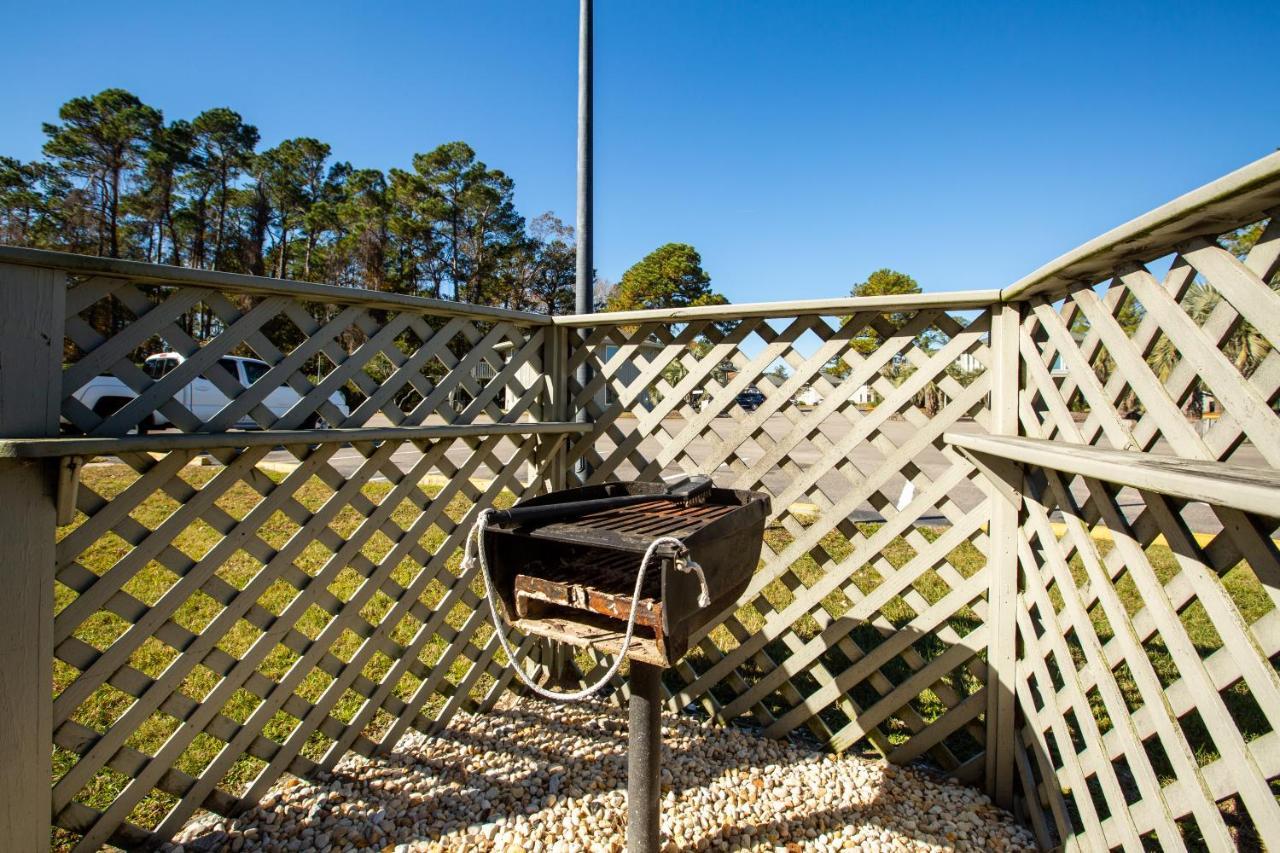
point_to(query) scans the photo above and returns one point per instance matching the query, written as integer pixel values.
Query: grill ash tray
(543, 596)
(573, 581)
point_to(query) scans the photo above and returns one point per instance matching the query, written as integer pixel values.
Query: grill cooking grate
(656, 518)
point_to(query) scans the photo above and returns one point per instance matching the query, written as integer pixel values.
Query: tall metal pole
(645, 730)
(584, 285)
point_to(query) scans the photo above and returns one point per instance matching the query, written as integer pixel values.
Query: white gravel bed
(543, 777)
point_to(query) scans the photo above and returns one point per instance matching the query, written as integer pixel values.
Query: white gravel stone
(536, 776)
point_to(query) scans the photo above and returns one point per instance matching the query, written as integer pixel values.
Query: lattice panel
(1123, 368)
(865, 619)
(228, 617)
(1147, 684)
(401, 367)
(254, 622)
(1158, 616)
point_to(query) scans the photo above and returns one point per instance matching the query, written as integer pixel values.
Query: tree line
(118, 180)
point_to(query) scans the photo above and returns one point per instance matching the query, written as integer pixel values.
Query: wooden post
(557, 657)
(555, 366)
(1002, 562)
(31, 323)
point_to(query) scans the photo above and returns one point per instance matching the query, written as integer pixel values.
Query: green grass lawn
(152, 657)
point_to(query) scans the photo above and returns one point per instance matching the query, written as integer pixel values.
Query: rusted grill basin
(573, 580)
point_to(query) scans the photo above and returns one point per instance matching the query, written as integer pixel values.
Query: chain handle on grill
(474, 555)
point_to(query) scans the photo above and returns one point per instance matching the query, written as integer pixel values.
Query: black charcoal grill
(572, 579)
(565, 566)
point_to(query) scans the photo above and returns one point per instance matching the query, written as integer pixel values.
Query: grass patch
(1250, 599)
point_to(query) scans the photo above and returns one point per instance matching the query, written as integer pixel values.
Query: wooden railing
(959, 570)
(207, 628)
(1146, 679)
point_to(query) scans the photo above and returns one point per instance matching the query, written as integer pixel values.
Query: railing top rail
(48, 448)
(957, 300)
(1249, 488)
(183, 276)
(1232, 200)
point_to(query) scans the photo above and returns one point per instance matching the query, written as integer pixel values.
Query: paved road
(865, 458)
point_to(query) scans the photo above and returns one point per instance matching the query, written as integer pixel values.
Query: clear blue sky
(797, 145)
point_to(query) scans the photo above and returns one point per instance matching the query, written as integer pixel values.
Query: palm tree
(1246, 347)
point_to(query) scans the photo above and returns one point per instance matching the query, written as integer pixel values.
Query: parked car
(106, 394)
(750, 398)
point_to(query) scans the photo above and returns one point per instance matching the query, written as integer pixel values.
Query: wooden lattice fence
(218, 625)
(867, 617)
(1147, 685)
(999, 543)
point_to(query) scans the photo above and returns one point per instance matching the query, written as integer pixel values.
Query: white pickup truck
(106, 394)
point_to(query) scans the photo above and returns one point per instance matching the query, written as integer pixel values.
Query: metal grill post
(644, 747)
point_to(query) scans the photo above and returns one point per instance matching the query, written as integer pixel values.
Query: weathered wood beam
(258, 285)
(1249, 489)
(47, 448)
(31, 309)
(966, 300)
(1214, 208)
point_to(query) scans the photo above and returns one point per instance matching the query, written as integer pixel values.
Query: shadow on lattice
(955, 683)
(1047, 610)
(896, 612)
(105, 705)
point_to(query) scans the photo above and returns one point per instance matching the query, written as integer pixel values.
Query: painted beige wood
(49, 448)
(1244, 400)
(1248, 489)
(955, 301)
(1128, 560)
(864, 632)
(1003, 563)
(766, 671)
(438, 361)
(1086, 725)
(31, 307)
(115, 269)
(1116, 708)
(1076, 472)
(1126, 649)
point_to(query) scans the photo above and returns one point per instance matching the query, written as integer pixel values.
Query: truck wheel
(108, 406)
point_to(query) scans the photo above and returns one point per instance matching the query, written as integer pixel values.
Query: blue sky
(797, 145)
